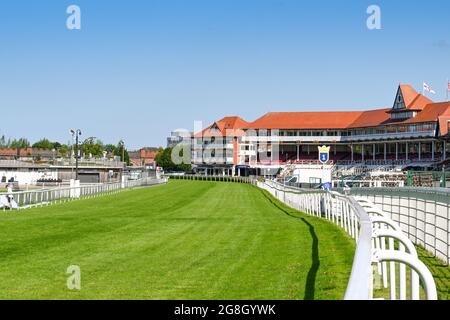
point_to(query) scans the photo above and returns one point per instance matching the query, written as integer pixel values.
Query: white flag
(427, 88)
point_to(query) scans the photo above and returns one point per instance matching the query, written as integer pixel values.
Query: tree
(3, 142)
(20, 143)
(110, 148)
(92, 146)
(164, 160)
(64, 150)
(44, 144)
(122, 152)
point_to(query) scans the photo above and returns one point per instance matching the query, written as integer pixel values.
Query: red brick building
(143, 157)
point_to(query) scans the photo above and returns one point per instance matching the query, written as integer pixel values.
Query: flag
(427, 88)
(448, 86)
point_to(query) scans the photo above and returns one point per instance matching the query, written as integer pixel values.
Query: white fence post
(371, 228)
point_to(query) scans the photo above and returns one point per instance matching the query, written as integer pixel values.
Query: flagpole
(448, 88)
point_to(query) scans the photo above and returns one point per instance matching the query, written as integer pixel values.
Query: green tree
(65, 150)
(20, 143)
(92, 146)
(110, 148)
(44, 144)
(122, 152)
(164, 160)
(3, 143)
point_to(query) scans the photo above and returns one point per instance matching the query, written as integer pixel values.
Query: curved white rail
(371, 228)
(414, 263)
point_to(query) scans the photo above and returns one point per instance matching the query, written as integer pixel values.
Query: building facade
(413, 130)
(144, 157)
(179, 137)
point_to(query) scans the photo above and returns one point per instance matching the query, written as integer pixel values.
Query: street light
(122, 143)
(76, 133)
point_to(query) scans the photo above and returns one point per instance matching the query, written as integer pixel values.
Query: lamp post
(122, 144)
(76, 133)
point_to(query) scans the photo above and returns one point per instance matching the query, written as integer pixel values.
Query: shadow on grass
(312, 273)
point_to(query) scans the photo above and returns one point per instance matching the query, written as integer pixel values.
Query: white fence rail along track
(422, 213)
(43, 197)
(379, 240)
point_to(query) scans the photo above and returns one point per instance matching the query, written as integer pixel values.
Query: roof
(431, 112)
(228, 126)
(148, 153)
(371, 118)
(13, 152)
(413, 99)
(427, 111)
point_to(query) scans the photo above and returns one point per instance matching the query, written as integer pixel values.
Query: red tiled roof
(413, 99)
(427, 112)
(371, 118)
(305, 120)
(13, 152)
(431, 112)
(228, 126)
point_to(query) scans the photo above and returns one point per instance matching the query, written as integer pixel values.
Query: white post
(122, 184)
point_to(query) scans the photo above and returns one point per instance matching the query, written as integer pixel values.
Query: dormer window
(404, 109)
(399, 102)
(214, 128)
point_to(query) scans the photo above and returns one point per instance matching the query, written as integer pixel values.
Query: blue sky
(139, 69)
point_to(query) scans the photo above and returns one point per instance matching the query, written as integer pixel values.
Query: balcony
(333, 139)
(212, 146)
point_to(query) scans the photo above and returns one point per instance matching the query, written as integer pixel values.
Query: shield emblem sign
(324, 154)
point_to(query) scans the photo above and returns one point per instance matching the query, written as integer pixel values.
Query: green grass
(184, 240)
(440, 271)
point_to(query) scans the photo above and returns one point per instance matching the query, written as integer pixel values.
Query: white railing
(63, 162)
(422, 213)
(44, 197)
(85, 162)
(370, 228)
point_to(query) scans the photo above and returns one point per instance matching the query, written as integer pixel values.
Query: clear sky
(138, 69)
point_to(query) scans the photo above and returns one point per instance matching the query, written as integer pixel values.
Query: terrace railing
(50, 196)
(378, 240)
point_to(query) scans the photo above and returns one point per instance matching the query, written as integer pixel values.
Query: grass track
(184, 240)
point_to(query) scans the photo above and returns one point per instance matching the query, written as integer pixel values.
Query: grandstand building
(415, 130)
